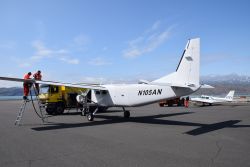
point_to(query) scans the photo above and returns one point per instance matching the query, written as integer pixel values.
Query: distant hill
(222, 83)
(222, 88)
(230, 78)
(14, 91)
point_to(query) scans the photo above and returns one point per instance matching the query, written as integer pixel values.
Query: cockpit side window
(54, 89)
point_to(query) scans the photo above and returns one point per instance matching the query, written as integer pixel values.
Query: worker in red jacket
(187, 101)
(26, 86)
(37, 76)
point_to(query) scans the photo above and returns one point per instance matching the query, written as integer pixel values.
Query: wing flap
(82, 85)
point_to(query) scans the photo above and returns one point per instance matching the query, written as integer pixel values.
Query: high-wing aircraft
(204, 99)
(184, 81)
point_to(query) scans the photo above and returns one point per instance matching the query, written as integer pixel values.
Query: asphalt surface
(153, 136)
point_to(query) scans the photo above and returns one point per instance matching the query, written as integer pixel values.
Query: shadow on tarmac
(201, 128)
(206, 128)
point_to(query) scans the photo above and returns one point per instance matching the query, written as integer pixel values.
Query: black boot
(25, 98)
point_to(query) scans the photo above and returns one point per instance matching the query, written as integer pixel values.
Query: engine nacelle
(81, 99)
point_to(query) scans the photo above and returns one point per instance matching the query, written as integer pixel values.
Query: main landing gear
(90, 113)
(126, 114)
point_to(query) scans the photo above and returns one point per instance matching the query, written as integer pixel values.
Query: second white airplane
(204, 99)
(184, 81)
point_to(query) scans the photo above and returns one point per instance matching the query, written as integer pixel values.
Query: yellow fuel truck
(58, 98)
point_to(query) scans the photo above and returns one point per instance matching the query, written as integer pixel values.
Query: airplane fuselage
(136, 94)
(211, 99)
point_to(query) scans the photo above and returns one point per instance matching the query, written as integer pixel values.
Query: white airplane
(204, 99)
(184, 81)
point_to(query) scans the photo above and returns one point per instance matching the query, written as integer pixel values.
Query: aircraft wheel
(90, 117)
(126, 114)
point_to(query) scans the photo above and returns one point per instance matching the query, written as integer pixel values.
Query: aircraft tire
(90, 116)
(126, 114)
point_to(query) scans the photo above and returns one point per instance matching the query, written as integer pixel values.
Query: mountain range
(230, 78)
(224, 83)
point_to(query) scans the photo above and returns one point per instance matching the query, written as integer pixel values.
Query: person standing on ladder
(26, 86)
(37, 76)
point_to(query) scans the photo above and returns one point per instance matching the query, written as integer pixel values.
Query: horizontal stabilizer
(205, 86)
(142, 81)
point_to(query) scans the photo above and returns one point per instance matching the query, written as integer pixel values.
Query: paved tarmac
(153, 136)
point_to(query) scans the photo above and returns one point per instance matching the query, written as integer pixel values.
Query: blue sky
(121, 40)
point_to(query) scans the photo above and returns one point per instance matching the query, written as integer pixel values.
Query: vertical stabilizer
(230, 95)
(189, 67)
(188, 70)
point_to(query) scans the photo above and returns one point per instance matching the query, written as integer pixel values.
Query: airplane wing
(82, 85)
(17, 79)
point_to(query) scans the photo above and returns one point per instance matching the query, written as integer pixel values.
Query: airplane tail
(187, 73)
(230, 95)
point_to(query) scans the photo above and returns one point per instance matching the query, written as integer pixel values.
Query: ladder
(23, 107)
(20, 113)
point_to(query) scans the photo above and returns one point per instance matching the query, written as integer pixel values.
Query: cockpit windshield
(44, 89)
(49, 89)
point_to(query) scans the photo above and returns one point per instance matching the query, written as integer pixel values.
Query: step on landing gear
(83, 111)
